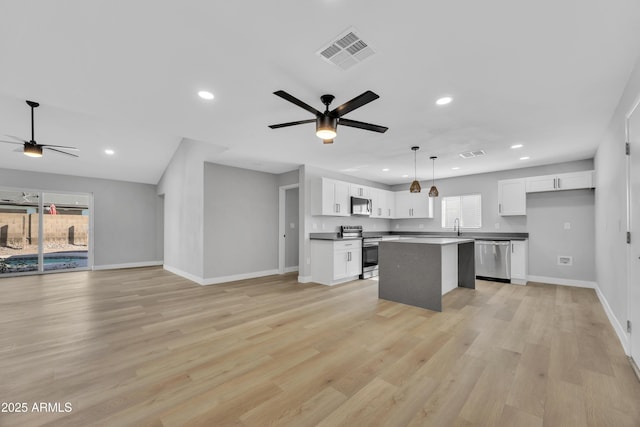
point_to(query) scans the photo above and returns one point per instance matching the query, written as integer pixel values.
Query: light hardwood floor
(143, 347)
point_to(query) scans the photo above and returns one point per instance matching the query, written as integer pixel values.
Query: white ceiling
(124, 75)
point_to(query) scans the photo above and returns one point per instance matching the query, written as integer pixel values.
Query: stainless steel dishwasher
(493, 260)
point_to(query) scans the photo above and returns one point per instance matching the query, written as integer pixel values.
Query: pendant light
(415, 185)
(433, 191)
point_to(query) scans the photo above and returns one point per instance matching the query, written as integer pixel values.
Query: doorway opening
(289, 240)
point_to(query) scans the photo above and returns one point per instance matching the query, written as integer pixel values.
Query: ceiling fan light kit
(31, 148)
(415, 185)
(327, 122)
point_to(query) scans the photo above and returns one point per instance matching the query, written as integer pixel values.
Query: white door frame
(282, 227)
(633, 227)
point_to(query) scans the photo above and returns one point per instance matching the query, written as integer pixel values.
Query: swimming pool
(52, 261)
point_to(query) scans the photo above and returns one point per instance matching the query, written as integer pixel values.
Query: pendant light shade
(433, 191)
(415, 185)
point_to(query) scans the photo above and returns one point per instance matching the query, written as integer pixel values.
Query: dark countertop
(466, 235)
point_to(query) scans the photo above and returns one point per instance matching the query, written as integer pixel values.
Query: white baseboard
(243, 276)
(562, 282)
(127, 265)
(291, 269)
(621, 332)
(184, 274)
(304, 279)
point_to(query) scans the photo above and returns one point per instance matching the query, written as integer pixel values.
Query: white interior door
(633, 136)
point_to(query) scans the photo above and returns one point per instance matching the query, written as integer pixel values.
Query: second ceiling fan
(327, 121)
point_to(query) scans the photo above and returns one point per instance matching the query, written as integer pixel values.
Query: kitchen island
(419, 271)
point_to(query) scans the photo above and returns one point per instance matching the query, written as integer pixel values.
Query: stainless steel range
(369, 249)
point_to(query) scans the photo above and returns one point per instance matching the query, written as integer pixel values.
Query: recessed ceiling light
(385, 170)
(109, 151)
(405, 176)
(524, 158)
(517, 146)
(205, 95)
(455, 168)
(444, 100)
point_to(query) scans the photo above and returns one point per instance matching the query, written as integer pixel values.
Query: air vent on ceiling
(471, 154)
(346, 50)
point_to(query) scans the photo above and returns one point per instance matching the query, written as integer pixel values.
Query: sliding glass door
(43, 232)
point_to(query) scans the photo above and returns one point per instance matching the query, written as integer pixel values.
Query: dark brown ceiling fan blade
(48, 147)
(284, 95)
(356, 102)
(59, 146)
(12, 142)
(300, 122)
(16, 138)
(362, 125)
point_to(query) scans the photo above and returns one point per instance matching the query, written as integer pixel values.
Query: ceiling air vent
(346, 50)
(471, 154)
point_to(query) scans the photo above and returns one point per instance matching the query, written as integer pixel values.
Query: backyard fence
(18, 230)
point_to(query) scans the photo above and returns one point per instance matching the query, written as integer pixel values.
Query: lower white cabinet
(519, 261)
(335, 261)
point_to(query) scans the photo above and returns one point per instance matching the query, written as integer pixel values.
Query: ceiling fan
(32, 148)
(327, 122)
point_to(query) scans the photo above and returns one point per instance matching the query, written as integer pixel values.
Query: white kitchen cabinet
(413, 205)
(335, 261)
(330, 197)
(519, 261)
(377, 201)
(356, 190)
(383, 202)
(389, 210)
(512, 197)
(562, 181)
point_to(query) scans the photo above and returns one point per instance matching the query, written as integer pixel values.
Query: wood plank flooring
(143, 347)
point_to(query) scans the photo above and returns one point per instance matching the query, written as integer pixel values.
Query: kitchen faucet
(456, 225)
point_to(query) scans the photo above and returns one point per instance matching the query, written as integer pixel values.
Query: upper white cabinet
(413, 205)
(330, 197)
(563, 181)
(383, 203)
(512, 197)
(356, 190)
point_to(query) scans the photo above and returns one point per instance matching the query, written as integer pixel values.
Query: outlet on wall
(497, 226)
(314, 226)
(397, 226)
(421, 226)
(567, 226)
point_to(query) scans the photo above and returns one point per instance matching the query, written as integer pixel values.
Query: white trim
(127, 265)
(304, 279)
(291, 269)
(243, 276)
(563, 282)
(183, 274)
(623, 336)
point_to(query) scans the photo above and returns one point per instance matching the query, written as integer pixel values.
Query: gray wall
(292, 227)
(240, 221)
(547, 214)
(611, 206)
(182, 187)
(125, 217)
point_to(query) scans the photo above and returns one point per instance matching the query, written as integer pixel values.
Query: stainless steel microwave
(360, 206)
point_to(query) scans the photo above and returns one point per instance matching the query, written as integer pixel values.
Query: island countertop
(432, 241)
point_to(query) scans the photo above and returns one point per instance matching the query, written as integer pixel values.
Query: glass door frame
(41, 209)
